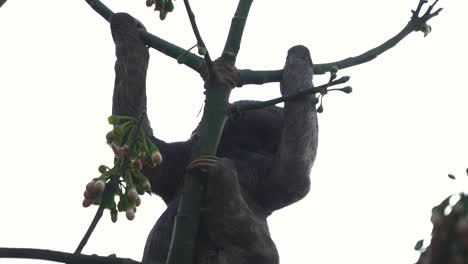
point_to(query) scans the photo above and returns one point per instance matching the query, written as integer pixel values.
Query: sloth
(262, 164)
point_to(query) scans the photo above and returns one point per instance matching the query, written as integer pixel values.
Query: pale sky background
(384, 151)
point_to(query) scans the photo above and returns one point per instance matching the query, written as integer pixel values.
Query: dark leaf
(419, 245)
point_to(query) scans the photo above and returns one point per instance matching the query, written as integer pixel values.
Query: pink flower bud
(138, 201)
(109, 137)
(125, 149)
(90, 187)
(87, 202)
(100, 185)
(130, 214)
(142, 157)
(132, 195)
(116, 150)
(89, 195)
(137, 165)
(156, 157)
(113, 214)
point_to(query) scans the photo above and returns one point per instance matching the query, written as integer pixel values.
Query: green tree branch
(57, 256)
(189, 59)
(416, 23)
(322, 89)
(232, 46)
(218, 85)
(209, 134)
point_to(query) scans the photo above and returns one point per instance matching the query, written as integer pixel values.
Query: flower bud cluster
(133, 150)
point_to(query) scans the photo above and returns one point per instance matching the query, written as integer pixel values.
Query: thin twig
(322, 89)
(91, 228)
(201, 44)
(58, 256)
(261, 77)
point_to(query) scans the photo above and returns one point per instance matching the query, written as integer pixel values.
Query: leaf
(315, 100)
(451, 176)
(320, 109)
(419, 245)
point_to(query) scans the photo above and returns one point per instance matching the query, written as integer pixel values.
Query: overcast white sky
(384, 151)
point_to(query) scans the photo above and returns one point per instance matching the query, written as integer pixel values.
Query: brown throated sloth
(263, 161)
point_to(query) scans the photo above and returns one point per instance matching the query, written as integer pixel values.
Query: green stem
(91, 228)
(191, 60)
(232, 46)
(187, 219)
(368, 55)
(313, 90)
(322, 89)
(261, 77)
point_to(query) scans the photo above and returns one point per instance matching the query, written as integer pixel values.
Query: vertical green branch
(187, 219)
(232, 46)
(211, 127)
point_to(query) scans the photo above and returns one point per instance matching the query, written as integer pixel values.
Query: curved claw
(428, 14)
(203, 163)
